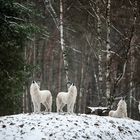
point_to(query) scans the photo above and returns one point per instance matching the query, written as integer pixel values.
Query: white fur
(139, 106)
(121, 111)
(40, 96)
(68, 98)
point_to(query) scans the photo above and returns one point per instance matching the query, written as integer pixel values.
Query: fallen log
(101, 111)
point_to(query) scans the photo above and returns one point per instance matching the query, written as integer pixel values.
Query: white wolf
(68, 98)
(121, 111)
(40, 96)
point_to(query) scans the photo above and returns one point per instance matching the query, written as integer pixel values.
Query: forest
(94, 44)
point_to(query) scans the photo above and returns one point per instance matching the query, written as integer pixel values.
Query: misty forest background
(93, 43)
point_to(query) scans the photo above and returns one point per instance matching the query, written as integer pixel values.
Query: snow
(55, 126)
(95, 108)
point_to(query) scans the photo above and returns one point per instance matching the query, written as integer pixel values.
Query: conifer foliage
(13, 33)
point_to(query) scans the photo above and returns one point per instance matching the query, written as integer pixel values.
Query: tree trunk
(43, 82)
(131, 85)
(81, 89)
(60, 73)
(132, 59)
(62, 43)
(100, 77)
(34, 57)
(108, 57)
(24, 86)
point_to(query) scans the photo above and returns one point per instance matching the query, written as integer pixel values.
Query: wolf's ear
(69, 82)
(122, 98)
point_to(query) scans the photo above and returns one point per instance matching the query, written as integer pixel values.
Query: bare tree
(62, 43)
(108, 56)
(99, 44)
(132, 59)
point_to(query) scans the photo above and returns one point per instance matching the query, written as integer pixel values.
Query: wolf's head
(34, 86)
(72, 89)
(122, 104)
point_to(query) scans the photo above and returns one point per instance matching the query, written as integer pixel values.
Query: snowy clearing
(67, 127)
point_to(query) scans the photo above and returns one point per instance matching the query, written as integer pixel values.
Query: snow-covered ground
(67, 127)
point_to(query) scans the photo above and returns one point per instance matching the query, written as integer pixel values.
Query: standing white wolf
(40, 96)
(68, 98)
(121, 111)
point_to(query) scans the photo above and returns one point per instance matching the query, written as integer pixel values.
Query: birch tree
(108, 56)
(100, 77)
(59, 23)
(62, 43)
